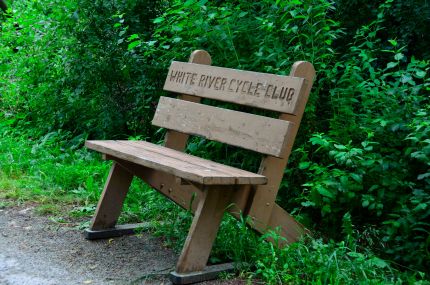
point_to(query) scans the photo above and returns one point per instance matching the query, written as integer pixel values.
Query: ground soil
(34, 250)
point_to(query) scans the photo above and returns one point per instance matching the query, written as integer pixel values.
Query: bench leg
(203, 231)
(111, 200)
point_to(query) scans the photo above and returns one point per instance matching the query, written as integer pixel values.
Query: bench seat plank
(180, 164)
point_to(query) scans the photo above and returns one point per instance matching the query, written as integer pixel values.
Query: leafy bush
(68, 66)
(95, 69)
(373, 163)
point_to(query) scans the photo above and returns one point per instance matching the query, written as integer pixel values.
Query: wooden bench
(207, 186)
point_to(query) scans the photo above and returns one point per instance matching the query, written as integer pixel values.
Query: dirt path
(37, 251)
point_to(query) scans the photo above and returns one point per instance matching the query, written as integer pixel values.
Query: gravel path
(36, 251)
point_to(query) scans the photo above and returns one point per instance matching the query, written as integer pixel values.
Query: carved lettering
(217, 83)
(249, 89)
(180, 77)
(239, 83)
(229, 86)
(244, 86)
(193, 78)
(283, 93)
(232, 85)
(274, 95)
(211, 81)
(290, 94)
(173, 74)
(201, 81)
(259, 85)
(223, 82)
(267, 94)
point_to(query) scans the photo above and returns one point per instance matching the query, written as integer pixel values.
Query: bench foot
(119, 230)
(208, 273)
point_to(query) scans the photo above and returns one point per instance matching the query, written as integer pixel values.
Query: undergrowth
(359, 174)
(66, 184)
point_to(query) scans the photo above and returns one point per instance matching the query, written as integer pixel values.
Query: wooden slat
(177, 163)
(257, 133)
(261, 90)
(174, 139)
(194, 160)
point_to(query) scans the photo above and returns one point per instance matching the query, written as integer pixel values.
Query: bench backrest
(274, 137)
(266, 91)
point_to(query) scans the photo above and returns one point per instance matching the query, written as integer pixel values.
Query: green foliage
(360, 172)
(406, 21)
(74, 69)
(369, 164)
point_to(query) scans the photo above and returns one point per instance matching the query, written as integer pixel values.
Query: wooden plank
(273, 167)
(257, 133)
(204, 228)
(110, 203)
(240, 175)
(289, 228)
(178, 140)
(177, 163)
(261, 90)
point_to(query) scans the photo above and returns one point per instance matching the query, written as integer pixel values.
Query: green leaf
(134, 44)
(304, 165)
(399, 56)
(378, 262)
(423, 176)
(392, 64)
(308, 204)
(158, 20)
(358, 178)
(323, 191)
(393, 42)
(133, 37)
(340, 147)
(420, 73)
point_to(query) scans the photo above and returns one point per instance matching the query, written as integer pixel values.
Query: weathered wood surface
(261, 134)
(253, 194)
(188, 196)
(203, 230)
(273, 167)
(180, 164)
(261, 90)
(112, 199)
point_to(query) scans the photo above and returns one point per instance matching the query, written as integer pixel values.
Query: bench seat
(185, 166)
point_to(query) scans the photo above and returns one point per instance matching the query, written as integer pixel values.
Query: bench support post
(203, 230)
(112, 199)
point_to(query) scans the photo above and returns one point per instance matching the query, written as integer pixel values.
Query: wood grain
(203, 230)
(261, 90)
(261, 134)
(112, 199)
(174, 162)
(273, 167)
